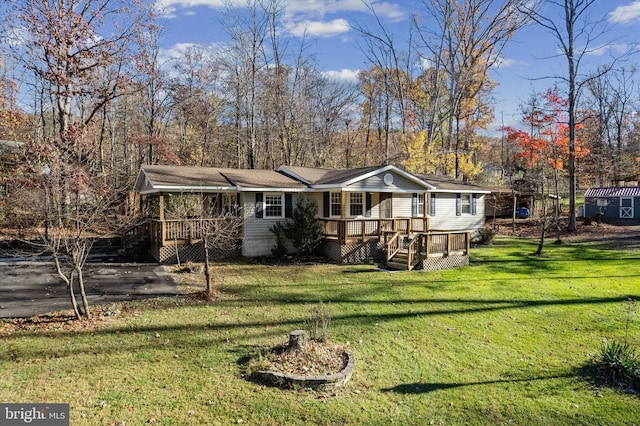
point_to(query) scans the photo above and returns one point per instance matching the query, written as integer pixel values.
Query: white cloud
(320, 28)
(601, 50)
(350, 76)
(626, 14)
(388, 10)
(505, 63)
(169, 8)
(177, 51)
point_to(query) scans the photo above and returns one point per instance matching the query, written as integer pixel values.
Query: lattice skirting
(194, 253)
(354, 252)
(446, 262)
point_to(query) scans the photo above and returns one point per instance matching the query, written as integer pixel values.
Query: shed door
(626, 208)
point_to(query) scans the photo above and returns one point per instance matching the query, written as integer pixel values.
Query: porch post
(161, 206)
(163, 229)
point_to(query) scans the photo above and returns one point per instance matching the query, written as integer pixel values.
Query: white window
(336, 204)
(356, 204)
(466, 204)
(420, 205)
(273, 205)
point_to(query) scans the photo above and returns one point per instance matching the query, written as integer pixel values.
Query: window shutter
(414, 204)
(288, 205)
(259, 205)
(326, 206)
(432, 204)
(458, 205)
(368, 204)
(473, 204)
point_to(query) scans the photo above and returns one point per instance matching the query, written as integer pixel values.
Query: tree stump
(297, 339)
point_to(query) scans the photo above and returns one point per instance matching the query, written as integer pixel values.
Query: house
(612, 202)
(372, 213)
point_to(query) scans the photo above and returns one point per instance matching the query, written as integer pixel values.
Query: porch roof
(157, 178)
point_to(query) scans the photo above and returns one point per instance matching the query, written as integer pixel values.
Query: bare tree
(219, 235)
(68, 46)
(394, 67)
(575, 31)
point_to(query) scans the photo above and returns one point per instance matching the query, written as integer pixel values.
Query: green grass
(504, 341)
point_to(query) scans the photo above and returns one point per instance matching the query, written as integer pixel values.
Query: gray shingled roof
(629, 191)
(191, 178)
(319, 176)
(184, 176)
(261, 179)
(447, 183)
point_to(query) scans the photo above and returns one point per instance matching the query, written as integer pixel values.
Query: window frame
(266, 205)
(361, 204)
(432, 204)
(420, 204)
(465, 204)
(332, 204)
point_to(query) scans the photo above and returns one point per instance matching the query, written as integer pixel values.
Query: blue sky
(530, 58)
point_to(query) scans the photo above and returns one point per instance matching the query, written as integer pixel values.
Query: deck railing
(447, 243)
(359, 230)
(422, 245)
(183, 231)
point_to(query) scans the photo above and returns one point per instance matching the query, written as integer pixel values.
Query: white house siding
(258, 240)
(402, 205)
(376, 184)
(446, 219)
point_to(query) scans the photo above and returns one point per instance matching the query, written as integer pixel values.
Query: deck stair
(404, 251)
(400, 261)
(135, 241)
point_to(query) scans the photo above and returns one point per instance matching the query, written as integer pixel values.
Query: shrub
(618, 364)
(304, 230)
(484, 237)
(280, 247)
(318, 322)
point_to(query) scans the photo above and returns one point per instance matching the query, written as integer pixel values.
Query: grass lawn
(503, 341)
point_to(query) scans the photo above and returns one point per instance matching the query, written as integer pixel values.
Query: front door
(386, 202)
(626, 208)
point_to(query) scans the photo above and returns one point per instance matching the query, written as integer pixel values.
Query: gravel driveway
(29, 288)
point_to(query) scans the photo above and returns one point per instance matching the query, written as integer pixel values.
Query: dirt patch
(623, 234)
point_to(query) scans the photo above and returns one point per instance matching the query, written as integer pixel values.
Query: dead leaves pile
(313, 359)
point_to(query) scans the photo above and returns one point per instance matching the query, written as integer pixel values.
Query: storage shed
(613, 202)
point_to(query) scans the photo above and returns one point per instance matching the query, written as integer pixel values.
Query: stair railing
(392, 244)
(414, 251)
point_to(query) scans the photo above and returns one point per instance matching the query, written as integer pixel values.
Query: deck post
(448, 234)
(161, 207)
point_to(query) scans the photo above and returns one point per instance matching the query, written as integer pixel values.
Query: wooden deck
(182, 232)
(406, 241)
(407, 251)
(363, 230)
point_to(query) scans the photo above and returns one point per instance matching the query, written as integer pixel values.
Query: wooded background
(96, 103)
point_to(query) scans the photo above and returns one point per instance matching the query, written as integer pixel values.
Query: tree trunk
(207, 270)
(83, 294)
